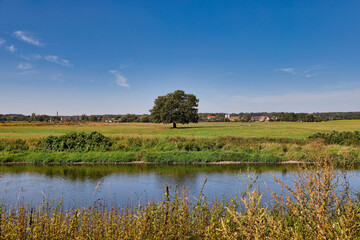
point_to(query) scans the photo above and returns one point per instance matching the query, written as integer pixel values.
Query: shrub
(77, 141)
(13, 145)
(341, 138)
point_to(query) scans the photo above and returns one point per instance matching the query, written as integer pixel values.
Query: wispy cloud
(56, 59)
(31, 57)
(2, 41)
(48, 58)
(25, 66)
(11, 48)
(308, 72)
(26, 37)
(120, 79)
(313, 71)
(287, 70)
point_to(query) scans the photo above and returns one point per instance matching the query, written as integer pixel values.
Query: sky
(116, 57)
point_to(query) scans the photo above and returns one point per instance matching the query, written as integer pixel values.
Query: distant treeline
(77, 118)
(203, 117)
(279, 116)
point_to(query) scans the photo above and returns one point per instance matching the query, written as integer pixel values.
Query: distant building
(235, 118)
(258, 118)
(210, 117)
(262, 118)
(65, 118)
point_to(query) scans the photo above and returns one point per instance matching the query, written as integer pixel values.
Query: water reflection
(128, 184)
(97, 172)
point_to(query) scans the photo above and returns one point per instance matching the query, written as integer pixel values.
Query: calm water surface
(126, 185)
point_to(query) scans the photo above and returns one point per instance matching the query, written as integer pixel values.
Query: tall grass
(320, 206)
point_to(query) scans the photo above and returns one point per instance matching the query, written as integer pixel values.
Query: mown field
(257, 130)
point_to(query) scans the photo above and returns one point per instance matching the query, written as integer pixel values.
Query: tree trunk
(174, 125)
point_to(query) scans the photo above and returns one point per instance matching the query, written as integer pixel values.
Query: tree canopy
(176, 107)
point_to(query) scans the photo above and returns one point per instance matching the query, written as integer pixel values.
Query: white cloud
(308, 72)
(11, 48)
(25, 66)
(2, 41)
(49, 58)
(313, 71)
(287, 70)
(55, 59)
(315, 68)
(27, 38)
(31, 57)
(36, 56)
(120, 79)
(311, 75)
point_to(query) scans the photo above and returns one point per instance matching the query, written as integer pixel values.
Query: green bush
(77, 141)
(341, 138)
(13, 145)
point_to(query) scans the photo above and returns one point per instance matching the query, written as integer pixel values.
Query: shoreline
(290, 162)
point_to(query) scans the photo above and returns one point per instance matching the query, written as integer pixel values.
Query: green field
(193, 143)
(266, 129)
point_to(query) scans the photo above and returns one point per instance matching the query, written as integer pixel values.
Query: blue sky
(98, 57)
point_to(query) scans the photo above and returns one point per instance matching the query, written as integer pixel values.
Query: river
(127, 185)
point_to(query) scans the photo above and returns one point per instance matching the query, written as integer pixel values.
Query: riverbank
(134, 157)
(94, 147)
(242, 153)
(291, 162)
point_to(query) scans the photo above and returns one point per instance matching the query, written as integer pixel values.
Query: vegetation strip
(94, 147)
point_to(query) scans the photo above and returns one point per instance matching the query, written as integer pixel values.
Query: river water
(127, 185)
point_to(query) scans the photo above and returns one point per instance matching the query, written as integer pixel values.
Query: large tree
(176, 107)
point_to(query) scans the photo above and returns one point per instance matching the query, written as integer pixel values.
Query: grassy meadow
(296, 130)
(194, 143)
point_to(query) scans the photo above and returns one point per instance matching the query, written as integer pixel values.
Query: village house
(262, 118)
(65, 118)
(105, 119)
(210, 117)
(235, 118)
(258, 118)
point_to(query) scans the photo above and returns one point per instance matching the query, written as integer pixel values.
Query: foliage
(145, 118)
(174, 149)
(129, 118)
(341, 138)
(76, 141)
(92, 118)
(176, 107)
(13, 145)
